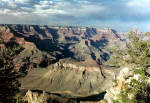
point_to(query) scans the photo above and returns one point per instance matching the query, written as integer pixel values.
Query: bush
(137, 52)
(8, 76)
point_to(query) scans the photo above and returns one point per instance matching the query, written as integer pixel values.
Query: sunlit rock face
(124, 77)
(67, 78)
(126, 81)
(34, 97)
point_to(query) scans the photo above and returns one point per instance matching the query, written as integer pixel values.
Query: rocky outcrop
(7, 36)
(129, 86)
(68, 79)
(124, 76)
(35, 97)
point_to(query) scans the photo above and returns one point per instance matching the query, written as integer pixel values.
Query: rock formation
(34, 97)
(65, 60)
(125, 75)
(69, 79)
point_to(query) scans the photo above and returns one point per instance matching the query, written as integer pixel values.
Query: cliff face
(78, 43)
(63, 59)
(69, 79)
(125, 75)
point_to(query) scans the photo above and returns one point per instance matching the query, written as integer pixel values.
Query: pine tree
(8, 76)
(137, 55)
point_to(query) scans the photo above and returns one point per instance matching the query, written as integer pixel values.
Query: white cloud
(45, 2)
(80, 8)
(139, 8)
(72, 12)
(44, 7)
(139, 4)
(47, 8)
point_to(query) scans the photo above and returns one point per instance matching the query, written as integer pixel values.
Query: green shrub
(137, 52)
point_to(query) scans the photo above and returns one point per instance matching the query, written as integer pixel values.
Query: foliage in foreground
(8, 76)
(137, 56)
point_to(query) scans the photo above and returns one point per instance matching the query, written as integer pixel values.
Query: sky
(122, 15)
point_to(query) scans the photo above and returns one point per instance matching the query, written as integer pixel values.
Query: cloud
(139, 3)
(106, 13)
(76, 9)
(139, 6)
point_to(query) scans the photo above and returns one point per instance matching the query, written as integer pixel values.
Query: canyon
(69, 61)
